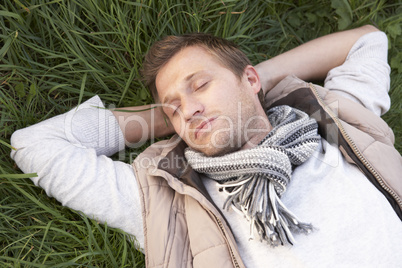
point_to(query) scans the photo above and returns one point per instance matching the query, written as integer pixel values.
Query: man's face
(210, 108)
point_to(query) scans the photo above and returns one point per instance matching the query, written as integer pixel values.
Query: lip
(203, 125)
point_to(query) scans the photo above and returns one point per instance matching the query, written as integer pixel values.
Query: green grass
(56, 54)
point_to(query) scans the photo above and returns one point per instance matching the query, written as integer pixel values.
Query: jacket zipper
(355, 149)
(224, 233)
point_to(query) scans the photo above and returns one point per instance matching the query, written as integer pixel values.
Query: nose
(191, 106)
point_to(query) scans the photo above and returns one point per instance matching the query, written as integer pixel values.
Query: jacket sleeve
(364, 76)
(70, 153)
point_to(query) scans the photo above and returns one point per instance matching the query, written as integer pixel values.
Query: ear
(252, 78)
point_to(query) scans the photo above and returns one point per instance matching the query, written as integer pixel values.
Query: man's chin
(212, 151)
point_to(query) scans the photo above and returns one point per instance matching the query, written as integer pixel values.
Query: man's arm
(312, 60)
(142, 123)
(69, 154)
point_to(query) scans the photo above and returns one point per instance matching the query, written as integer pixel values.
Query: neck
(259, 132)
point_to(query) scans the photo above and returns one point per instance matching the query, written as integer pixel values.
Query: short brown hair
(163, 50)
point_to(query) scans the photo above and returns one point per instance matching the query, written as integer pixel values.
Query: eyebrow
(168, 98)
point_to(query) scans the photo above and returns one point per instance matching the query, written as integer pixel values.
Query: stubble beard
(229, 135)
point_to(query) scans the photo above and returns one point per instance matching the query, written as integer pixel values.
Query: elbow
(16, 142)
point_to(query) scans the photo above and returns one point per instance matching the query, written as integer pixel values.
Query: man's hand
(312, 60)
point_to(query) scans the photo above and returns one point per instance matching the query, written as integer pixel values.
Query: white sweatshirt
(354, 224)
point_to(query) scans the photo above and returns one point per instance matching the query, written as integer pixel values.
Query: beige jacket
(182, 226)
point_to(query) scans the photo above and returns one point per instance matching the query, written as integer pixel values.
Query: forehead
(182, 66)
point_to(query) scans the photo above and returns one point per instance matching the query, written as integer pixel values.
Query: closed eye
(204, 84)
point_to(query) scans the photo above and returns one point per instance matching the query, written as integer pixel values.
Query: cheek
(178, 126)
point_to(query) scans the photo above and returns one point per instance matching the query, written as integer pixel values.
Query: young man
(221, 195)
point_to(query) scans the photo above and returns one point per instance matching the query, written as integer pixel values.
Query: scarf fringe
(269, 217)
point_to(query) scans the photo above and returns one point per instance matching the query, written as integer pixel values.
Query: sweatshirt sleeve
(364, 76)
(70, 152)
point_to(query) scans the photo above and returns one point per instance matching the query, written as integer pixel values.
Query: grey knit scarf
(256, 178)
